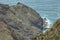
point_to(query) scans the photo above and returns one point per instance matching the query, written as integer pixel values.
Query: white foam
(48, 21)
(44, 31)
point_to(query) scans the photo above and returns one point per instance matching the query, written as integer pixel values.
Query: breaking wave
(48, 22)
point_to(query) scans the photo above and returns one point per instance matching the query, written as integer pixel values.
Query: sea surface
(49, 9)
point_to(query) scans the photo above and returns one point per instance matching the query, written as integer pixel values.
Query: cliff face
(51, 34)
(19, 22)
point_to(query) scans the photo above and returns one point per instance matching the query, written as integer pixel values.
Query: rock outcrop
(19, 22)
(51, 34)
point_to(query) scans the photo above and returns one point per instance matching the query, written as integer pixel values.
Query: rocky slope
(51, 34)
(19, 22)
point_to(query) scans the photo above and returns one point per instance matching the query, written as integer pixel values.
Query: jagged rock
(22, 21)
(5, 33)
(51, 34)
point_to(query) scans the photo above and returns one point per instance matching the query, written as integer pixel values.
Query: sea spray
(46, 24)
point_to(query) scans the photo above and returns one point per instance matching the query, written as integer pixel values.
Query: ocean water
(46, 8)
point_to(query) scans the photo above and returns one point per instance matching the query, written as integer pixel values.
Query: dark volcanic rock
(22, 21)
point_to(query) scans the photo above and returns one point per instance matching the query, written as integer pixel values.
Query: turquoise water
(46, 8)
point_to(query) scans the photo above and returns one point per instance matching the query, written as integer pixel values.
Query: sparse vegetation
(51, 34)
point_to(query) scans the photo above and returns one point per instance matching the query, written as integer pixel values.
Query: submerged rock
(22, 22)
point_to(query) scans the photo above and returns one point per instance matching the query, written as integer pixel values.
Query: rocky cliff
(51, 34)
(19, 22)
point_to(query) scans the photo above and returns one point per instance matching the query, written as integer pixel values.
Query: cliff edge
(19, 22)
(51, 34)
